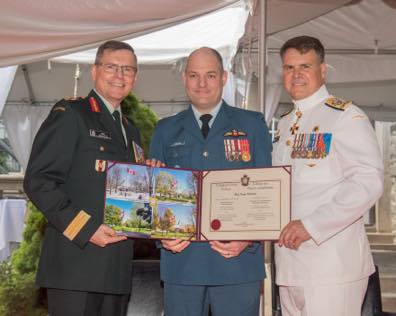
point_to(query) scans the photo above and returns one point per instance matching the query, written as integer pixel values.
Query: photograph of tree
(145, 202)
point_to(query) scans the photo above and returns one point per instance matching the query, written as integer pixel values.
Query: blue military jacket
(178, 142)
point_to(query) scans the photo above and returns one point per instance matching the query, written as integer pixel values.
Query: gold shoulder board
(59, 109)
(338, 104)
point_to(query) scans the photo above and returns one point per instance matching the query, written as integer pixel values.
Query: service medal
(246, 157)
(245, 150)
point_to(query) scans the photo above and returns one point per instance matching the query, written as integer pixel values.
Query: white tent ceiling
(219, 30)
(360, 51)
(37, 30)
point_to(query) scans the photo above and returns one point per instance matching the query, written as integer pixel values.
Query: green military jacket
(65, 179)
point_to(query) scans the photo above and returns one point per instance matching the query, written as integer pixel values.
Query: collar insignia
(286, 113)
(94, 105)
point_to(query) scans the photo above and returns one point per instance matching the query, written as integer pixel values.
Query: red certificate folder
(170, 203)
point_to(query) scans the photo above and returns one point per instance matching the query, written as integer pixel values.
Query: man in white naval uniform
(323, 258)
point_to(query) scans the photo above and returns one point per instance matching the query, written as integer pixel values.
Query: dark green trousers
(79, 303)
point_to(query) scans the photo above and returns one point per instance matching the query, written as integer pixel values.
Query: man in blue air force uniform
(211, 135)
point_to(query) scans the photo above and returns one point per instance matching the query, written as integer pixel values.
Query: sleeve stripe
(76, 225)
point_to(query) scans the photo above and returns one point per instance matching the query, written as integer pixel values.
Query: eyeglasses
(127, 71)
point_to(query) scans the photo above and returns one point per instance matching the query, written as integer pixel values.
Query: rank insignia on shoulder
(235, 133)
(94, 105)
(72, 98)
(287, 112)
(100, 165)
(59, 109)
(337, 103)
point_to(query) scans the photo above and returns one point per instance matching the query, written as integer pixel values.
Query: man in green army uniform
(84, 265)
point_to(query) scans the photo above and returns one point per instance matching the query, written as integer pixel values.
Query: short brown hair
(304, 44)
(112, 46)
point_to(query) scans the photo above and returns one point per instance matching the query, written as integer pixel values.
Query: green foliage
(18, 294)
(112, 215)
(144, 118)
(25, 258)
(164, 182)
(3, 162)
(168, 220)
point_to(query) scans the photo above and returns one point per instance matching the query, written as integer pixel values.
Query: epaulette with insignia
(286, 113)
(337, 103)
(72, 98)
(59, 109)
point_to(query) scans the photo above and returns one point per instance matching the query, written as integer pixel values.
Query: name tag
(99, 134)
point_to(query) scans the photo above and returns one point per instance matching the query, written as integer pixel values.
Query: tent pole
(262, 55)
(28, 82)
(267, 308)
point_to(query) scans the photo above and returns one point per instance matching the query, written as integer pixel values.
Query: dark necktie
(117, 122)
(205, 124)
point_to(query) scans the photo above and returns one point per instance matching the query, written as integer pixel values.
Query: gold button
(205, 153)
(288, 142)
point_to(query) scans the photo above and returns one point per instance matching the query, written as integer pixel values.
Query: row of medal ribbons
(311, 145)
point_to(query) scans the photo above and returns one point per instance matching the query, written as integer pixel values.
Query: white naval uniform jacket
(330, 195)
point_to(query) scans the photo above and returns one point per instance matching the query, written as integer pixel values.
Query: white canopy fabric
(36, 30)
(220, 29)
(367, 24)
(7, 75)
(41, 30)
(22, 123)
(360, 47)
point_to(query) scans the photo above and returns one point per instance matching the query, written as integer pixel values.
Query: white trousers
(325, 300)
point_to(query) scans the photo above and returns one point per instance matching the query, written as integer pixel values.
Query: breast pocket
(313, 170)
(178, 156)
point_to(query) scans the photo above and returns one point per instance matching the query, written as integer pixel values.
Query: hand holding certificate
(166, 203)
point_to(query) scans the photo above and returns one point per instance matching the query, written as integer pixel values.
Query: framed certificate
(250, 204)
(168, 203)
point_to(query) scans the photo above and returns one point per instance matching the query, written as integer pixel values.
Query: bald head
(204, 78)
(206, 51)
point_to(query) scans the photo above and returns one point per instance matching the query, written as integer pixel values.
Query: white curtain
(7, 75)
(272, 97)
(22, 123)
(229, 90)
